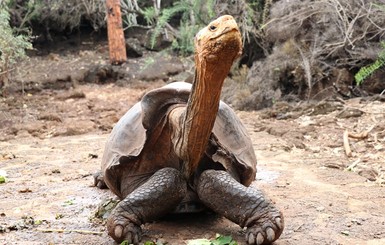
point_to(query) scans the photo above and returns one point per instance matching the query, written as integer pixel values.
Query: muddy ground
(55, 121)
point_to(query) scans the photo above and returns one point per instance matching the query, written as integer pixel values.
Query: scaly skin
(159, 195)
(243, 205)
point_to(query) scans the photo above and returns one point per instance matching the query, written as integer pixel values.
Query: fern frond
(185, 42)
(367, 71)
(149, 15)
(166, 16)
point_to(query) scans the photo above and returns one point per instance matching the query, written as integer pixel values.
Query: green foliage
(149, 15)
(367, 71)
(185, 43)
(165, 17)
(149, 243)
(12, 46)
(197, 14)
(219, 240)
(192, 16)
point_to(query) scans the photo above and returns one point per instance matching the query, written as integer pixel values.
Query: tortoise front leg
(159, 195)
(243, 205)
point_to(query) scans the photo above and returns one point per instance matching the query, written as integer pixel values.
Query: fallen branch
(348, 151)
(77, 231)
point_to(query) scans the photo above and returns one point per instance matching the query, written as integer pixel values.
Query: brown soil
(52, 140)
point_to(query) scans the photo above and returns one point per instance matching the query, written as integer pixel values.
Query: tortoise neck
(202, 108)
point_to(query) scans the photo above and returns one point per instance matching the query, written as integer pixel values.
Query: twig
(348, 151)
(353, 165)
(9, 70)
(78, 231)
(361, 135)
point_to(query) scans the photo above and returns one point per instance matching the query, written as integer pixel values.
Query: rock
(100, 74)
(133, 48)
(350, 112)
(71, 94)
(368, 173)
(161, 68)
(75, 127)
(324, 108)
(50, 117)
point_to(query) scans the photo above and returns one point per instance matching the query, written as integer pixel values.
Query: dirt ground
(52, 137)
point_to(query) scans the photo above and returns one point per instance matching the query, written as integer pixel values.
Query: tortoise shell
(229, 144)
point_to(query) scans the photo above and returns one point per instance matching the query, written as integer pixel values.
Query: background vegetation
(294, 48)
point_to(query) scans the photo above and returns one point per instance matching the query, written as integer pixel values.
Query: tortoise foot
(122, 229)
(265, 232)
(159, 195)
(243, 205)
(99, 180)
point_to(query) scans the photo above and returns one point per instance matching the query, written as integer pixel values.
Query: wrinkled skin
(181, 160)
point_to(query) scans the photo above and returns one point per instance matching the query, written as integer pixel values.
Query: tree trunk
(116, 40)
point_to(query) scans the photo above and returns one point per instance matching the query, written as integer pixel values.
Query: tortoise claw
(278, 222)
(251, 239)
(123, 230)
(265, 233)
(260, 239)
(118, 231)
(270, 234)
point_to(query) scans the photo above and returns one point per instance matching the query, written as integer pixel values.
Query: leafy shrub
(58, 15)
(194, 15)
(12, 47)
(184, 18)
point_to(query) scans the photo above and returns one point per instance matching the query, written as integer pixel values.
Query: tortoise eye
(212, 28)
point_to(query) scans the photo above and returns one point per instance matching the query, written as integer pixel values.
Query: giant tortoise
(180, 148)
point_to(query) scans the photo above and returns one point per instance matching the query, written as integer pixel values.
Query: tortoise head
(219, 41)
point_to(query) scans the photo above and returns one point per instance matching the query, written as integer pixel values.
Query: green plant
(12, 46)
(185, 42)
(149, 15)
(367, 71)
(165, 17)
(219, 240)
(192, 15)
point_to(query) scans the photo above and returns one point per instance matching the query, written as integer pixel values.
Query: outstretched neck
(199, 117)
(216, 48)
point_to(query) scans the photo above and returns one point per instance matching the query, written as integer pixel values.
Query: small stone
(56, 171)
(350, 112)
(346, 233)
(320, 209)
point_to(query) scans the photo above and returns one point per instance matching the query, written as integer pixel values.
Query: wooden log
(116, 40)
